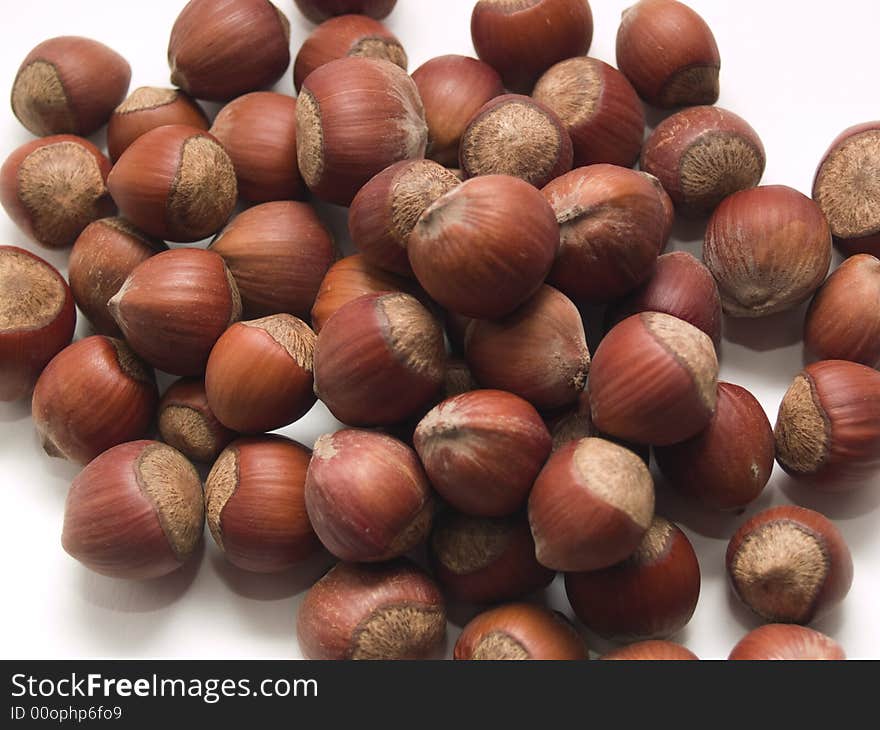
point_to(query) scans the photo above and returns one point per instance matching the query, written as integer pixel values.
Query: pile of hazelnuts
(491, 202)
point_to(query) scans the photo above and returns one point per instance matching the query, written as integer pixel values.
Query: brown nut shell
(319, 10)
(786, 642)
(187, 423)
(652, 651)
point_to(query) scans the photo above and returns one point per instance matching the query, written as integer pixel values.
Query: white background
(798, 72)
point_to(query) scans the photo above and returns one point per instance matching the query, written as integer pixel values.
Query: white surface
(798, 74)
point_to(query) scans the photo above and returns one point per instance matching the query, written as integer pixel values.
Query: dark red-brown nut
(539, 352)
(669, 54)
(221, 49)
(102, 258)
(93, 395)
(847, 189)
(591, 506)
(386, 209)
(486, 559)
(175, 183)
(680, 286)
(483, 451)
(843, 321)
(654, 380)
(668, 208)
(388, 611)
(379, 360)
(255, 504)
(52, 188)
(701, 155)
(258, 132)
(69, 85)
(599, 108)
(367, 496)
(518, 136)
(37, 319)
(786, 642)
(452, 89)
(355, 117)
(769, 249)
(611, 229)
(485, 247)
(521, 39)
(187, 422)
(651, 594)
(652, 651)
(828, 428)
(319, 10)
(727, 465)
(146, 108)
(789, 565)
(520, 631)
(278, 253)
(174, 306)
(135, 512)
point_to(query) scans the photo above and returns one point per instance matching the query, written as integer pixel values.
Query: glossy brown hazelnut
(175, 183)
(483, 450)
(599, 108)
(135, 512)
(651, 594)
(255, 504)
(93, 395)
(524, 38)
(486, 559)
(278, 253)
(174, 306)
(37, 319)
(102, 258)
(727, 465)
(591, 506)
(458, 378)
(221, 49)
(847, 190)
(388, 611)
(319, 10)
(259, 375)
(386, 209)
(258, 132)
(146, 108)
(187, 423)
(69, 85)
(379, 360)
(518, 136)
(843, 321)
(654, 380)
(651, 651)
(367, 496)
(680, 286)
(828, 428)
(789, 565)
(786, 642)
(485, 247)
(669, 54)
(668, 208)
(701, 155)
(52, 188)
(611, 229)
(355, 117)
(453, 88)
(538, 352)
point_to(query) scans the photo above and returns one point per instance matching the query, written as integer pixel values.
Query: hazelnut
(93, 395)
(483, 450)
(37, 319)
(52, 188)
(367, 496)
(591, 506)
(187, 422)
(458, 378)
(599, 108)
(668, 208)
(189, 191)
(134, 512)
(255, 504)
(388, 611)
(652, 651)
(786, 642)
(701, 155)
(69, 85)
(319, 10)
(669, 54)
